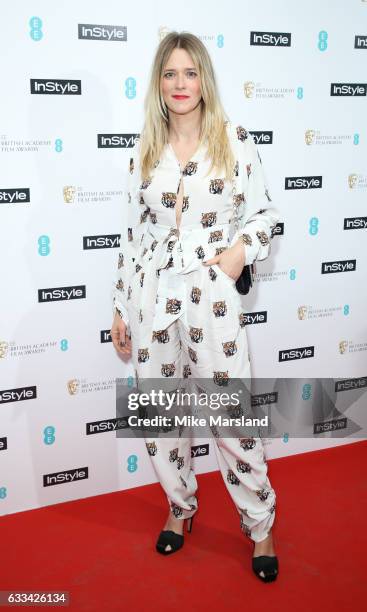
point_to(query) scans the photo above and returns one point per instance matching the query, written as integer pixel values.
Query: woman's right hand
(120, 339)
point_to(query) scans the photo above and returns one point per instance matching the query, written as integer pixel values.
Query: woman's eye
(190, 73)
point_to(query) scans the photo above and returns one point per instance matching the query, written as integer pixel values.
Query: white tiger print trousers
(195, 346)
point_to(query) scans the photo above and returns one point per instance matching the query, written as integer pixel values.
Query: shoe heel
(189, 524)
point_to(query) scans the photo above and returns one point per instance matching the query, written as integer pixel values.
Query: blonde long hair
(213, 132)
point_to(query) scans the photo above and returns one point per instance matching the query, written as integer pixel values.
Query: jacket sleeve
(256, 215)
(134, 214)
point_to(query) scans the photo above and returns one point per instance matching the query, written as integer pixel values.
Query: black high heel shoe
(266, 565)
(172, 539)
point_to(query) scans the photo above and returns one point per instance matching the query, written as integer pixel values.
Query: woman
(177, 310)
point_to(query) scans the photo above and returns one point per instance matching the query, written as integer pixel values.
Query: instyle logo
(97, 427)
(19, 195)
(114, 141)
(88, 31)
(200, 450)
(334, 425)
(270, 39)
(278, 230)
(105, 336)
(348, 89)
(303, 182)
(351, 223)
(331, 267)
(262, 137)
(360, 42)
(55, 294)
(262, 399)
(108, 241)
(256, 317)
(3, 443)
(351, 383)
(49, 480)
(18, 395)
(303, 352)
(61, 87)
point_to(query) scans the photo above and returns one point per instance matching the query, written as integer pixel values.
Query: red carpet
(101, 549)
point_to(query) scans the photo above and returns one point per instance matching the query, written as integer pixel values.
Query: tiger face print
(209, 219)
(195, 295)
(151, 448)
(200, 252)
(232, 478)
(186, 370)
(216, 186)
(242, 319)
(190, 168)
(121, 260)
(247, 443)
(168, 199)
(173, 306)
(221, 378)
(242, 134)
(246, 238)
(243, 467)
(153, 217)
(238, 199)
(168, 369)
(143, 355)
(161, 336)
(215, 236)
(219, 308)
(212, 274)
(263, 494)
(234, 412)
(193, 355)
(263, 237)
(196, 334)
(229, 348)
(176, 510)
(173, 454)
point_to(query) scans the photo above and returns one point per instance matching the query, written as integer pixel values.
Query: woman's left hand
(231, 261)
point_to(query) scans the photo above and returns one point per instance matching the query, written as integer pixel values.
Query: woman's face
(180, 78)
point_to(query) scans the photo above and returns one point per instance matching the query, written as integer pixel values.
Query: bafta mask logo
(162, 32)
(343, 346)
(302, 311)
(249, 87)
(352, 180)
(73, 386)
(69, 193)
(3, 348)
(310, 137)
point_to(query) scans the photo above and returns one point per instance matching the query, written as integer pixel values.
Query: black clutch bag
(244, 282)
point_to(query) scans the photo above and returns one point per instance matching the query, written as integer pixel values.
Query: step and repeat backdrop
(72, 87)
